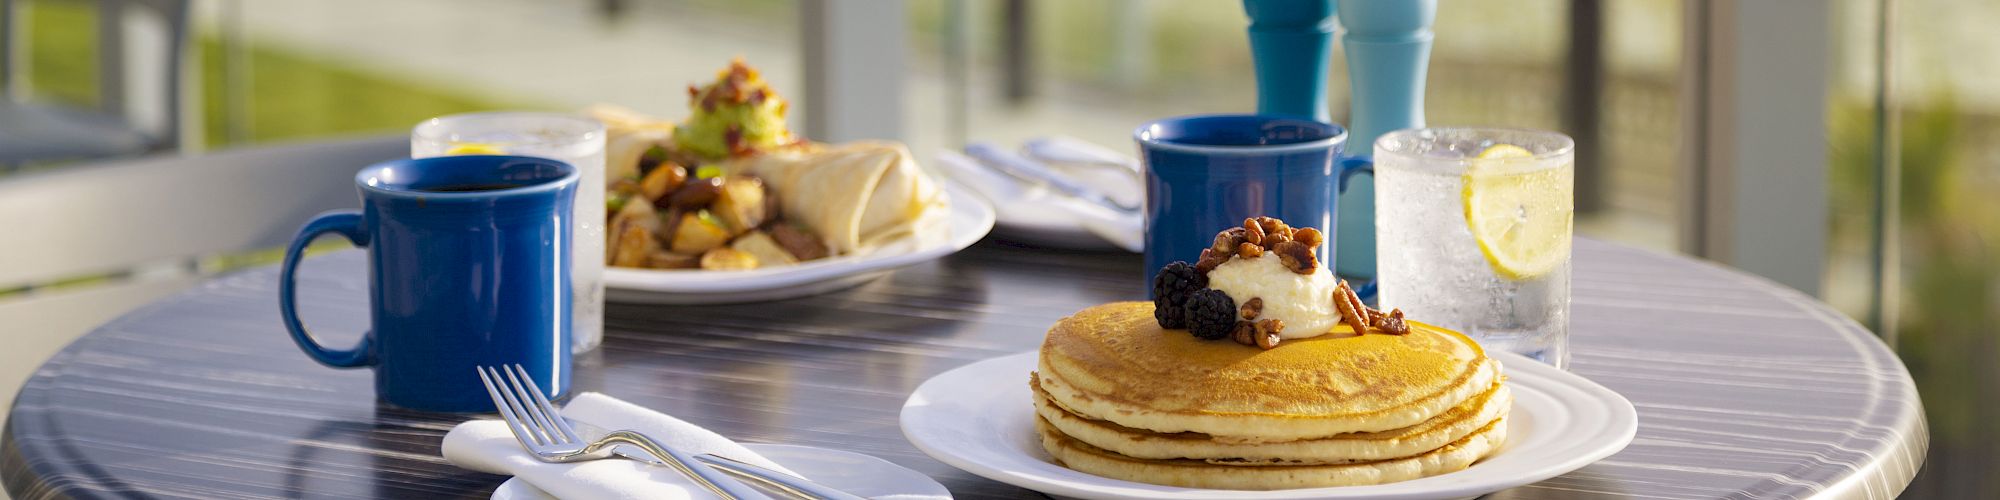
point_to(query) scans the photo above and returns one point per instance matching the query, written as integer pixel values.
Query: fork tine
(509, 410)
(561, 424)
(534, 411)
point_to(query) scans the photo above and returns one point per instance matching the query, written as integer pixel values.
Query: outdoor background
(285, 70)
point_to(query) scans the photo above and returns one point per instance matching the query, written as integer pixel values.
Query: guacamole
(735, 116)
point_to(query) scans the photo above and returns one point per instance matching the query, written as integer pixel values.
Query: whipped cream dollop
(1303, 301)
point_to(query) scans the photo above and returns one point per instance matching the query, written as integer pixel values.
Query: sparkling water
(572, 139)
(1431, 266)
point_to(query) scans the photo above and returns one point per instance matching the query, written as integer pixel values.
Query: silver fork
(550, 438)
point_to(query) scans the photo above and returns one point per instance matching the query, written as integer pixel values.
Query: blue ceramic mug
(1207, 173)
(468, 262)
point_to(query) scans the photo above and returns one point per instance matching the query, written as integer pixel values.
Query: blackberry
(1171, 289)
(1211, 314)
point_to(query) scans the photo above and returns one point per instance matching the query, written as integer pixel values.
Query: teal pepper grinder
(1291, 46)
(1388, 45)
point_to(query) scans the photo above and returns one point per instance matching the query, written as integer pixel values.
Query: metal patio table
(1744, 389)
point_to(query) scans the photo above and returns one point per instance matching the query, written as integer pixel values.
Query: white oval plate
(1034, 215)
(980, 418)
(970, 219)
(851, 472)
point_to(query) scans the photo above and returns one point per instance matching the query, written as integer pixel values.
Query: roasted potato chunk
(662, 180)
(698, 232)
(634, 247)
(631, 216)
(741, 203)
(761, 245)
(727, 259)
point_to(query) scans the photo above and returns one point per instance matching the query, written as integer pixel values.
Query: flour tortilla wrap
(857, 196)
(628, 134)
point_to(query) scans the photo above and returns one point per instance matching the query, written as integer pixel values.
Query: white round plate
(980, 418)
(970, 219)
(855, 473)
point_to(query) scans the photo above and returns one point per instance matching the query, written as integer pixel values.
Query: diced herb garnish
(708, 172)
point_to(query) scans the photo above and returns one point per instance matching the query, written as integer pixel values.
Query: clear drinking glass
(1474, 228)
(574, 139)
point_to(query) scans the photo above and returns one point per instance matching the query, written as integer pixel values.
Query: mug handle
(1349, 166)
(348, 223)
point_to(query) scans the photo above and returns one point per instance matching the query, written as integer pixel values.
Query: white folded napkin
(487, 446)
(1019, 199)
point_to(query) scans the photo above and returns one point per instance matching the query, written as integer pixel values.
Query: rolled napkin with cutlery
(1035, 209)
(488, 446)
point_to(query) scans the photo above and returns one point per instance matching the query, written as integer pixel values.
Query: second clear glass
(575, 139)
(1474, 227)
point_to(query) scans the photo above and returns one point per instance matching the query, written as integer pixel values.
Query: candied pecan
(1392, 323)
(1297, 257)
(1245, 333)
(1227, 241)
(1309, 236)
(1267, 333)
(1352, 312)
(1209, 260)
(1274, 226)
(1272, 240)
(1252, 232)
(1252, 308)
(1249, 250)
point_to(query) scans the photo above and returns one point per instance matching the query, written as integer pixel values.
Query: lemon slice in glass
(473, 148)
(1520, 216)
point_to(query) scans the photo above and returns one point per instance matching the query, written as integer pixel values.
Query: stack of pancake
(1119, 396)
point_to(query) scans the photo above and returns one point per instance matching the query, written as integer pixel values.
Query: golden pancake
(1113, 362)
(1453, 457)
(1432, 434)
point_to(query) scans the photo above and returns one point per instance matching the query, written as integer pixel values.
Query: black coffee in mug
(465, 188)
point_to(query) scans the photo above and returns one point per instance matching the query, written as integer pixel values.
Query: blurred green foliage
(290, 96)
(1949, 225)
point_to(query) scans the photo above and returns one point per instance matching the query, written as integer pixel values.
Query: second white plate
(980, 418)
(970, 219)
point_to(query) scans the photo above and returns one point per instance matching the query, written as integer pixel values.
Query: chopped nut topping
(1245, 333)
(1209, 260)
(1267, 333)
(1274, 239)
(1360, 317)
(1353, 313)
(1392, 323)
(1273, 225)
(1297, 257)
(1309, 236)
(1252, 308)
(1249, 250)
(1297, 248)
(1227, 241)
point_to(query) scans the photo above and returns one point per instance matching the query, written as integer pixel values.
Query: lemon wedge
(1522, 218)
(473, 148)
